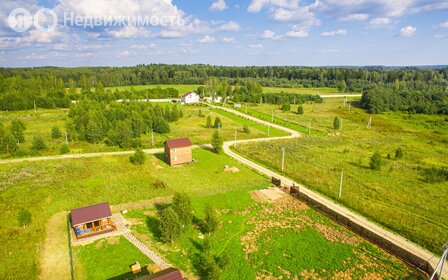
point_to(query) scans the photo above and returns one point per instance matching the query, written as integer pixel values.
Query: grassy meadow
(182, 88)
(192, 126)
(109, 258)
(47, 188)
(271, 241)
(397, 196)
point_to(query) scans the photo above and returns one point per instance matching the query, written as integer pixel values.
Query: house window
(174, 150)
(175, 158)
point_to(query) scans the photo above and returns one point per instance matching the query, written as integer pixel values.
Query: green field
(263, 240)
(192, 126)
(47, 188)
(397, 196)
(108, 258)
(323, 90)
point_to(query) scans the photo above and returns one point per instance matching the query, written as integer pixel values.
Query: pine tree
(376, 161)
(209, 122)
(300, 110)
(286, 107)
(399, 153)
(170, 227)
(217, 142)
(218, 122)
(337, 123)
(38, 144)
(65, 149)
(182, 206)
(24, 217)
(211, 222)
(138, 158)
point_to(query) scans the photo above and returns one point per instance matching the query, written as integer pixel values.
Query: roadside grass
(109, 258)
(50, 187)
(297, 90)
(397, 196)
(265, 241)
(192, 126)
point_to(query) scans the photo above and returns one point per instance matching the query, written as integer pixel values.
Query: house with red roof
(92, 220)
(178, 151)
(190, 98)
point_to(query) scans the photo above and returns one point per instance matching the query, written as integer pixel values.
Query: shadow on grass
(160, 156)
(153, 225)
(129, 275)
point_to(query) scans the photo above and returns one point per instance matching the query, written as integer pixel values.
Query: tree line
(119, 124)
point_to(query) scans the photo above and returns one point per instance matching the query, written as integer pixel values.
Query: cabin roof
(90, 213)
(167, 274)
(178, 143)
(188, 93)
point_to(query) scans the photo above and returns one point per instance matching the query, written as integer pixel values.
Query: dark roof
(90, 213)
(188, 93)
(167, 274)
(178, 143)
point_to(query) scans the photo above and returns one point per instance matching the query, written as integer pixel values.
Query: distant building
(217, 99)
(92, 220)
(178, 151)
(190, 98)
(236, 105)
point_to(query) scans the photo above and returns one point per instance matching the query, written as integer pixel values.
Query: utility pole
(309, 127)
(283, 159)
(345, 101)
(234, 143)
(66, 138)
(369, 124)
(35, 108)
(340, 185)
(349, 106)
(272, 118)
(152, 136)
(440, 264)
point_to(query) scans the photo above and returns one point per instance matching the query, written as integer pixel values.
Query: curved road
(392, 237)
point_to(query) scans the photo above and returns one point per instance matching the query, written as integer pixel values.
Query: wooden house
(178, 151)
(92, 220)
(166, 274)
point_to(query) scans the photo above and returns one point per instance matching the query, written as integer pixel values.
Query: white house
(217, 99)
(190, 98)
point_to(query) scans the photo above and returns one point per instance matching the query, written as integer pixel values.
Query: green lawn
(109, 258)
(323, 90)
(272, 240)
(397, 196)
(46, 188)
(192, 126)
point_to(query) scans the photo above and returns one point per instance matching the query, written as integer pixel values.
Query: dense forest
(413, 90)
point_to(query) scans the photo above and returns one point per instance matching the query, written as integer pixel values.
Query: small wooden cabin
(166, 274)
(178, 151)
(92, 220)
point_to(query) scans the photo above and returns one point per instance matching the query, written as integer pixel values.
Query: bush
(286, 107)
(159, 184)
(182, 206)
(300, 110)
(337, 123)
(209, 122)
(218, 123)
(436, 175)
(55, 133)
(210, 223)
(138, 158)
(38, 144)
(217, 142)
(24, 217)
(399, 153)
(246, 129)
(376, 161)
(65, 149)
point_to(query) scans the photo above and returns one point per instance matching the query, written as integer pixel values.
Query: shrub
(65, 149)
(246, 129)
(209, 122)
(159, 184)
(210, 223)
(300, 110)
(337, 123)
(376, 161)
(38, 144)
(24, 217)
(138, 158)
(286, 107)
(218, 122)
(435, 175)
(55, 133)
(182, 206)
(399, 153)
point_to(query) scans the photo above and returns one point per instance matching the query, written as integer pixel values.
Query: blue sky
(226, 32)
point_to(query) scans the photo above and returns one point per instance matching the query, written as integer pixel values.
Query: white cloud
(408, 31)
(380, 22)
(189, 51)
(257, 46)
(444, 24)
(142, 46)
(207, 39)
(297, 34)
(269, 35)
(228, 40)
(441, 36)
(257, 5)
(218, 5)
(230, 26)
(354, 17)
(339, 32)
(129, 32)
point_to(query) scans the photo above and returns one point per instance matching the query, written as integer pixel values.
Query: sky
(74, 33)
